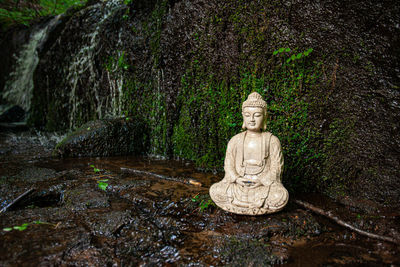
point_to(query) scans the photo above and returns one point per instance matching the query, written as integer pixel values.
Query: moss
(206, 110)
(337, 169)
(211, 112)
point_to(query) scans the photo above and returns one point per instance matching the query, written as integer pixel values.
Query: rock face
(105, 138)
(335, 108)
(12, 114)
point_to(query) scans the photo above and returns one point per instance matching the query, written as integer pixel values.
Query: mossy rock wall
(329, 72)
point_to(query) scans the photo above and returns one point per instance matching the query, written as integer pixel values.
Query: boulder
(108, 137)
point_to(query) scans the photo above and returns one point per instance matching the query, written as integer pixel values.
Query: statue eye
(247, 114)
(257, 114)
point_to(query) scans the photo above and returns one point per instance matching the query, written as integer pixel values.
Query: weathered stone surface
(105, 138)
(12, 114)
(148, 46)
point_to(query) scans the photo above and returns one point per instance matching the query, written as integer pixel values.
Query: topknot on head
(254, 100)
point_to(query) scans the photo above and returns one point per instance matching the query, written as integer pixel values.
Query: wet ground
(90, 212)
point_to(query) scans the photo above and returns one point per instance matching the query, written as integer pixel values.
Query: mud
(143, 220)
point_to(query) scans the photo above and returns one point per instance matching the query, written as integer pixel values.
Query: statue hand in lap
(253, 167)
(248, 182)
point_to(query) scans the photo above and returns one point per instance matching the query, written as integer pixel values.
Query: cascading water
(84, 62)
(18, 89)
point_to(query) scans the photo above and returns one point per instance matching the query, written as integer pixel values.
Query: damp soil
(146, 220)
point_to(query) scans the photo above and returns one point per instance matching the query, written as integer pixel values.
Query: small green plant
(204, 201)
(24, 226)
(195, 198)
(122, 62)
(115, 64)
(102, 184)
(95, 169)
(281, 50)
(23, 11)
(205, 204)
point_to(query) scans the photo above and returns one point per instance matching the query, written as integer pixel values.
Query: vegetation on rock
(185, 66)
(14, 12)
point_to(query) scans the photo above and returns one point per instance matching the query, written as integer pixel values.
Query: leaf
(282, 49)
(103, 186)
(91, 165)
(20, 228)
(299, 55)
(7, 229)
(287, 49)
(96, 170)
(103, 180)
(275, 52)
(292, 58)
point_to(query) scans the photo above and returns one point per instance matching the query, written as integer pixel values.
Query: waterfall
(84, 61)
(19, 86)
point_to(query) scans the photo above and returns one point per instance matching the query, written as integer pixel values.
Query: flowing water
(145, 219)
(84, 61)
(82, 65)
(18, 89)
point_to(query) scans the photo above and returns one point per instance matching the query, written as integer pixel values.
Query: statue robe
(270, 196)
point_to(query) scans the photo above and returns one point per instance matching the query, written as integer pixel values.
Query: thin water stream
(144, 220)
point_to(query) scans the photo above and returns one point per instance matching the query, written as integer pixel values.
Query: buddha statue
(253, 166)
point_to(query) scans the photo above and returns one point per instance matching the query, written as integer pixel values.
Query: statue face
(253, 118)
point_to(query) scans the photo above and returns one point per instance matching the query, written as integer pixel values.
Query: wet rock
(39, 242)
(140, 220)
(111, 137)
(12, 114)
(145, 241)
(106, 222)
(34, 174)
(247, 252)
(85, 197)
(136, 58)
(12, 186)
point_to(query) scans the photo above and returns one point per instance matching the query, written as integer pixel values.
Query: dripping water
(84, 61)
(19, 87)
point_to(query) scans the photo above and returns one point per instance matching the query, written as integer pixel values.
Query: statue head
(254, 111)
